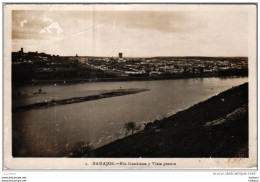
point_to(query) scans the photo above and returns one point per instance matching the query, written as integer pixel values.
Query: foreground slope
(217, 127)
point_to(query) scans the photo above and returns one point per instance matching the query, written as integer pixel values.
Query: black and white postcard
(130, 86)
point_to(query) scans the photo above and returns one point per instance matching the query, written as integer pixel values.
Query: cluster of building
(167, 65)
(43, 62)
(46, 64)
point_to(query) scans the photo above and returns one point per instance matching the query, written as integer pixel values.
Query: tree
(81, 148)
(131, 126)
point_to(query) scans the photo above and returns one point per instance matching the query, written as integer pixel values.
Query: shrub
(80, 149)
(131, 126)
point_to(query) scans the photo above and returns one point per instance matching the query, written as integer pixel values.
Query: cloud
(24, 21)
(53, 27)
(136, 33)
(46, 19)
(157, 20)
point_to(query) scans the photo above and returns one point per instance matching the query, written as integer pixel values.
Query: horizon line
(136, 56)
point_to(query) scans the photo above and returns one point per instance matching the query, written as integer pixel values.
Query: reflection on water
(53, 131)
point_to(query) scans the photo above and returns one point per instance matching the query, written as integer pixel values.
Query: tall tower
(21, 50)
(120, 55)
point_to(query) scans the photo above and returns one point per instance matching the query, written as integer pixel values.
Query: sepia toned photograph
(142, 82)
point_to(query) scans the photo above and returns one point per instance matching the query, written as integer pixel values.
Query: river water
(52, 132)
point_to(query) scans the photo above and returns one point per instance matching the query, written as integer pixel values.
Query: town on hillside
(35, 66)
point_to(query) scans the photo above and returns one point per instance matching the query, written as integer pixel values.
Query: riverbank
(121, 79)
(53, 102)
(217, 127)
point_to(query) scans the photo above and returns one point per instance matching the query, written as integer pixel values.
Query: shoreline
(74, 100)
(217, 127)
(94, 80)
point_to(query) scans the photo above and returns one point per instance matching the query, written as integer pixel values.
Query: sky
(134, 33)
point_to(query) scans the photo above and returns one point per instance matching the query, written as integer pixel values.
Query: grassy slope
(217, 127)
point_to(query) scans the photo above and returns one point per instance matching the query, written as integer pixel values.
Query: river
(52, 132)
